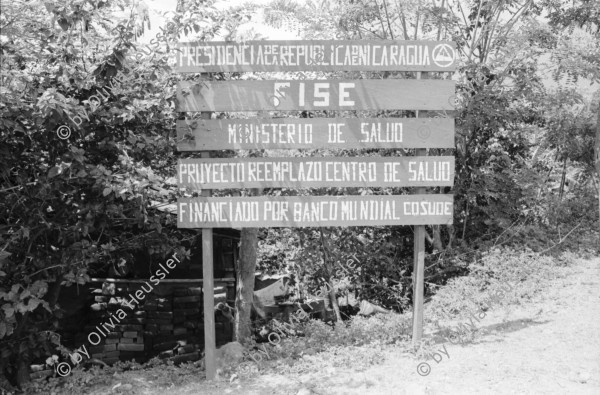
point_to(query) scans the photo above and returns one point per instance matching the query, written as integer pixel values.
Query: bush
(357, 341)
(502, 276)
(358, 331)
(574, 210)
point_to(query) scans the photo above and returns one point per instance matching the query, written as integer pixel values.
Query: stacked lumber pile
(176, 334)
(121, 337)
(168, 324)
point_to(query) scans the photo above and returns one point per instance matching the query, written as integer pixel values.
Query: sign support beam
(419, 262)
(208, 289)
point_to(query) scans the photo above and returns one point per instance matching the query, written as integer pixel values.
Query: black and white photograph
(299, 197)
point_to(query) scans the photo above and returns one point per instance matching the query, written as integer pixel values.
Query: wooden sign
(390, 94)
(312, 95)
(409, 171)
(310, 133)
(306, 211)
(316, 55)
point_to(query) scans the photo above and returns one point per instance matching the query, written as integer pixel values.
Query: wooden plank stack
(166, 324)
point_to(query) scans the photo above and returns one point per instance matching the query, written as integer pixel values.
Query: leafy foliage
(87, 141)
(86, 151)
(511, 131)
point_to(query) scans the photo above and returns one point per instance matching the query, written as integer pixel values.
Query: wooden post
(419, 263)
(597, 158)
(208, 286)
(209, 304)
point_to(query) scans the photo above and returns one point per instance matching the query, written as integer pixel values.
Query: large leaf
(54, 171)
(64, 23)
(8, 310)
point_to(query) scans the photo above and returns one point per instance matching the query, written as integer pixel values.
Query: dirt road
(549, 346)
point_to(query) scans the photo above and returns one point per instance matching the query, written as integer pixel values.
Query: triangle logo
(443, 55)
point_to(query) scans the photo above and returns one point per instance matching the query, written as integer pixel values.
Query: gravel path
(549, 346)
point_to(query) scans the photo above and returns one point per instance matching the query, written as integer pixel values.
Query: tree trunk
(22, 359)
(334, 302)
(329, 267)
(562, 180)
(23, 371)
(245, 268)
(451, 235)
(437, 239)
(464, 230)
(597, 156)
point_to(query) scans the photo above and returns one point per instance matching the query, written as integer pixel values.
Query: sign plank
(306, 211)
(391, 94)
(310, 133)
(316, 55)
(198, 174)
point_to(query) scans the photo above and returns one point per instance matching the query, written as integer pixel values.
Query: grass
(501, 278)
